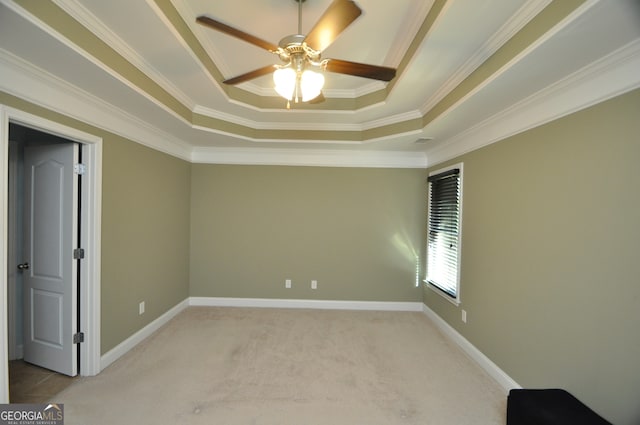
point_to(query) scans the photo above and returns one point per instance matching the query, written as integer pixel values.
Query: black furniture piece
(549, 407)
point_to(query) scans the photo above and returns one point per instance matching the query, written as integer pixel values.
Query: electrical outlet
(287, 283)
(314, 284)
(141, 308)
(464, 316)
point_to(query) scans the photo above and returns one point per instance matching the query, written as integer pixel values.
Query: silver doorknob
(23, 266)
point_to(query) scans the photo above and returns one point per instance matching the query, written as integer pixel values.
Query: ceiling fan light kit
(298, 86)
(301, 77)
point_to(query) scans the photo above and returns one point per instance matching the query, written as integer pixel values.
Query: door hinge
(80, 169)
(78, 338)
(78, 254)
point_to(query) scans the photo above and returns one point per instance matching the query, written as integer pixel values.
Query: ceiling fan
(300, 77)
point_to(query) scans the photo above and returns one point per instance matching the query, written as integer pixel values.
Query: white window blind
(443, 241)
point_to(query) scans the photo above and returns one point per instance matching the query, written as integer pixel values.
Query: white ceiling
(481, 71)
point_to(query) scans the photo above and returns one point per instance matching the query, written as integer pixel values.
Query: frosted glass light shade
(311, 84)
(285, 81)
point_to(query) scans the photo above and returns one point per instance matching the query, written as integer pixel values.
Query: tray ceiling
(462, 65)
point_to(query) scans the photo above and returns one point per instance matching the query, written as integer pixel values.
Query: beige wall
(551, 257)
(356, 231)
(145, 229)
(145, 237)
(551, 314)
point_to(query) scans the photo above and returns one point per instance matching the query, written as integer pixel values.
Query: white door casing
(51, 235)
(91, 208)
(14, 253)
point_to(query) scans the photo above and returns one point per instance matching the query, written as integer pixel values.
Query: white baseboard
(483, 361)
(135, 339)
(313, 304)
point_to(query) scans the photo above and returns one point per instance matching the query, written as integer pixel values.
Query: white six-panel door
(50, 279)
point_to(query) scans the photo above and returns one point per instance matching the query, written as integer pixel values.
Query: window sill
(454, 301)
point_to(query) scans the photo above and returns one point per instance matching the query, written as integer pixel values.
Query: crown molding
(611, 76)
(262, 125)
(81, 14)
(395, 119)
(302, 126)
(514, 60)
(527, 12)
(608, 77)
(408, 35)
(187, 14)
(86, 55)
(26, 81)
(309, 157)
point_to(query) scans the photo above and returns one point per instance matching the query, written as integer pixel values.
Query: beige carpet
(270, 366)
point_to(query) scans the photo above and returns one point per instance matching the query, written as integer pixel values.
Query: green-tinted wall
(357, 232)
(550, 273)
(145, 229)
(145, 237)
(550, 254)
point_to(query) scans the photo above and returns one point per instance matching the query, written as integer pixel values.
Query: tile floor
(33, 384)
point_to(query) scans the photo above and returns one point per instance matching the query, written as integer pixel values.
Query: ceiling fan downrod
(300, 15)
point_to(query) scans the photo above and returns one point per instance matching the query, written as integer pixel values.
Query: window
(443, 226)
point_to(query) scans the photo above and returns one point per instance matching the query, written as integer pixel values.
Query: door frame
(91, 210)
(12, 254)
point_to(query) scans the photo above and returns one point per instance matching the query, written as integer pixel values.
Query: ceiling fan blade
(251, 75)
(374, 72)
(219, 26)
(338, 16)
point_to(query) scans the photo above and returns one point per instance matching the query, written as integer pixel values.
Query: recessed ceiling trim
(406, 37)
(552, 19)
(317, 158)
(392, 120)
(406, 127)
(267, 139)
(120, 74)
(240, 94)
(184, 34)
(265, 125)
(525, 14)
(605, 79)
(183, 9)
(433, 16)
(318, 134)
(301, 126)
(611, 76)
(115, 65)
(321, 136)
(78, 12)
(36, 86)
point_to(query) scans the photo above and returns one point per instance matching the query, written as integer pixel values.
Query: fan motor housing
(292, 41)
(293, 45)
